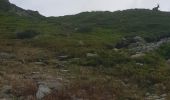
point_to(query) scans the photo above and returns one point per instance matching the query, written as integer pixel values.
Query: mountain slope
(135, 22)
(152, 25)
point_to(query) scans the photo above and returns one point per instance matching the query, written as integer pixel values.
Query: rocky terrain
(31, 73)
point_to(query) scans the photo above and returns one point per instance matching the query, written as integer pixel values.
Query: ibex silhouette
(156, 8)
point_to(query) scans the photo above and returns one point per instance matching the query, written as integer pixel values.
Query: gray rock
(43, 90)
(63, 57)
(137, 55)
(91, 55)
(40, 63)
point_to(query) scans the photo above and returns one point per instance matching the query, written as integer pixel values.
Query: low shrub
(107, 59)
(26, 34)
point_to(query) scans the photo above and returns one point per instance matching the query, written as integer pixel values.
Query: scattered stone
(4, 55)
(138, 44)
(146, 47)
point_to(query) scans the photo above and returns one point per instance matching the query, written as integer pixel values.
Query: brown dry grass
(24, 87)
(95, 90)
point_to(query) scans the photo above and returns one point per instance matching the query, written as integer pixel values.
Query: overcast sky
(67, 7)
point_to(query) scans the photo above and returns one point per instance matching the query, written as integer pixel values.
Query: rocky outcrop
(6, 6)
(146, 47)
(139, 45)
(22, 12)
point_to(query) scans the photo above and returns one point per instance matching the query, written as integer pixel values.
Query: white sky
(67, 7)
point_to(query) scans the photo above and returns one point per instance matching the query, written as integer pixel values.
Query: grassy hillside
(94, 54)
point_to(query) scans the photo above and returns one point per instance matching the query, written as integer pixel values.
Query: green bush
(164, 51)
(84, 29)
(26, 34)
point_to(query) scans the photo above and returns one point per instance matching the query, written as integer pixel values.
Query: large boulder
(43, 90)
(46, 87)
